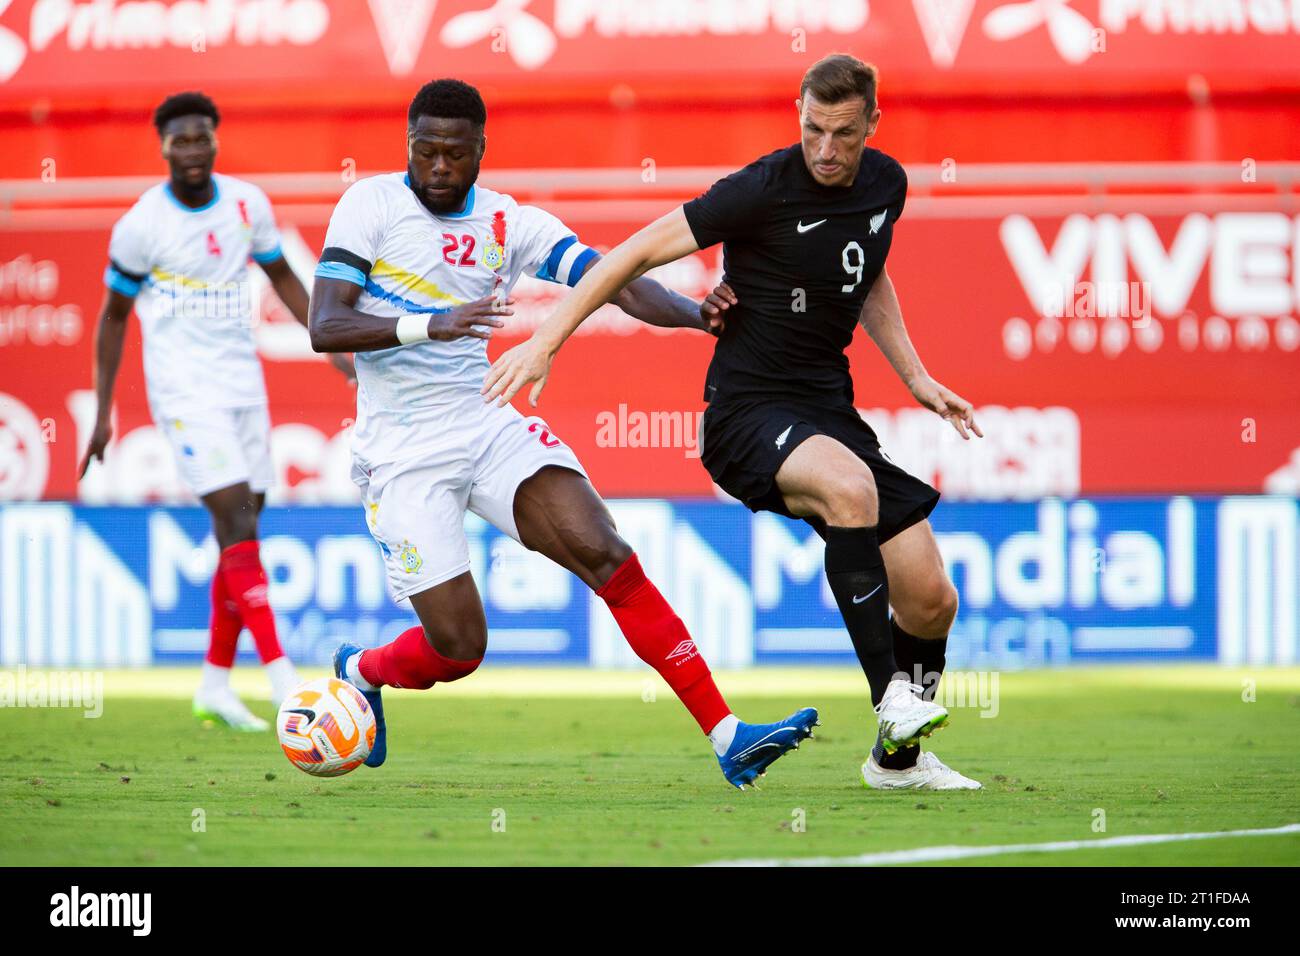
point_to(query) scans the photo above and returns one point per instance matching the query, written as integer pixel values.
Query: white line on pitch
(931, 854)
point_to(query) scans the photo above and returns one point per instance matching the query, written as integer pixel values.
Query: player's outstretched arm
(664, 240)
(110, 334)
(648, 301)
(654, 304)
(882, 317)
(336, 326)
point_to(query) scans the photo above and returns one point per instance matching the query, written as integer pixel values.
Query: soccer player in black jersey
(805, 233)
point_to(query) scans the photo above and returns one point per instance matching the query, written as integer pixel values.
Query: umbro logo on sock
(256, 595)
(684, 649)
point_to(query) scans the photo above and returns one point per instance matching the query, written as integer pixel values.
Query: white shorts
(474, 458)
(220, 447)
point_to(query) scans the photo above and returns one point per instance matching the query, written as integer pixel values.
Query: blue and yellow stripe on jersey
(567, 261)
(379, 292)
(161, 276)
(128, 283)
(398, 283)
(336, 263)
(404, 281)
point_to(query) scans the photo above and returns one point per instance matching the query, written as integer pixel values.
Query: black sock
(856, 573)
(931, 655)
(922, 658)
(913, 654)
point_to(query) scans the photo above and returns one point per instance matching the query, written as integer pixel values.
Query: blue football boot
(379, 752)
(756, 746)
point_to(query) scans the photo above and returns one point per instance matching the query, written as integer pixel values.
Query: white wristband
(412, 329)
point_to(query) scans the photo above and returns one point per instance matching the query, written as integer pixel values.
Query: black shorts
(744, 444)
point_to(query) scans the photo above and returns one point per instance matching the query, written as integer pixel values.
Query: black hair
(447, 99)
(185, 104)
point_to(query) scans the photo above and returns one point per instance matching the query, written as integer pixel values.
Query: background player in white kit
(184, 249)
(406, 280)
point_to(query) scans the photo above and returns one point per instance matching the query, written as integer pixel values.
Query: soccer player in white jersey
(183, 248)
(407, 281)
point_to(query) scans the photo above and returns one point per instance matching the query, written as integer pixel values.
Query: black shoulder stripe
(336, 254)
(133, 276)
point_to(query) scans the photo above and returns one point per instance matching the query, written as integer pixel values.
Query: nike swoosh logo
(812, 225)
(762, 743)
(859, 600)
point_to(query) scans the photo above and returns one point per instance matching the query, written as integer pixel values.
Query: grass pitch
(572, 768)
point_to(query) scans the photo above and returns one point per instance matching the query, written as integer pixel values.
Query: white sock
(214, 678)
(722, 735)
(353, 669)
(283, 678)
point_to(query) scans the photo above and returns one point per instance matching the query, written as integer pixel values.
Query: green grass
(602, 777)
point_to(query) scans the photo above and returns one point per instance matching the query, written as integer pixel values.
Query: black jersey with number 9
(801, 258)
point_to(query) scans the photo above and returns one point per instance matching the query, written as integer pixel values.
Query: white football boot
(905, 717)
(929, 773)
(221, 704)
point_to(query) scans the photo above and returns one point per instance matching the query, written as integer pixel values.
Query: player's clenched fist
(469, 319)
(714, 308)
(527, 362)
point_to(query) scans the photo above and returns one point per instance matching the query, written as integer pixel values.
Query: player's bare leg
(823, 480)
(239, 600)
(234, 511)
(454, 627)
(559, 514)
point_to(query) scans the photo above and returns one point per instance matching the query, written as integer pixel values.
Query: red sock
(410, 661)
(245, 580)
(660, 639)
(224, 626)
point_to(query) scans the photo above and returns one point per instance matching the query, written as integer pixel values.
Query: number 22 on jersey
(464, 244)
